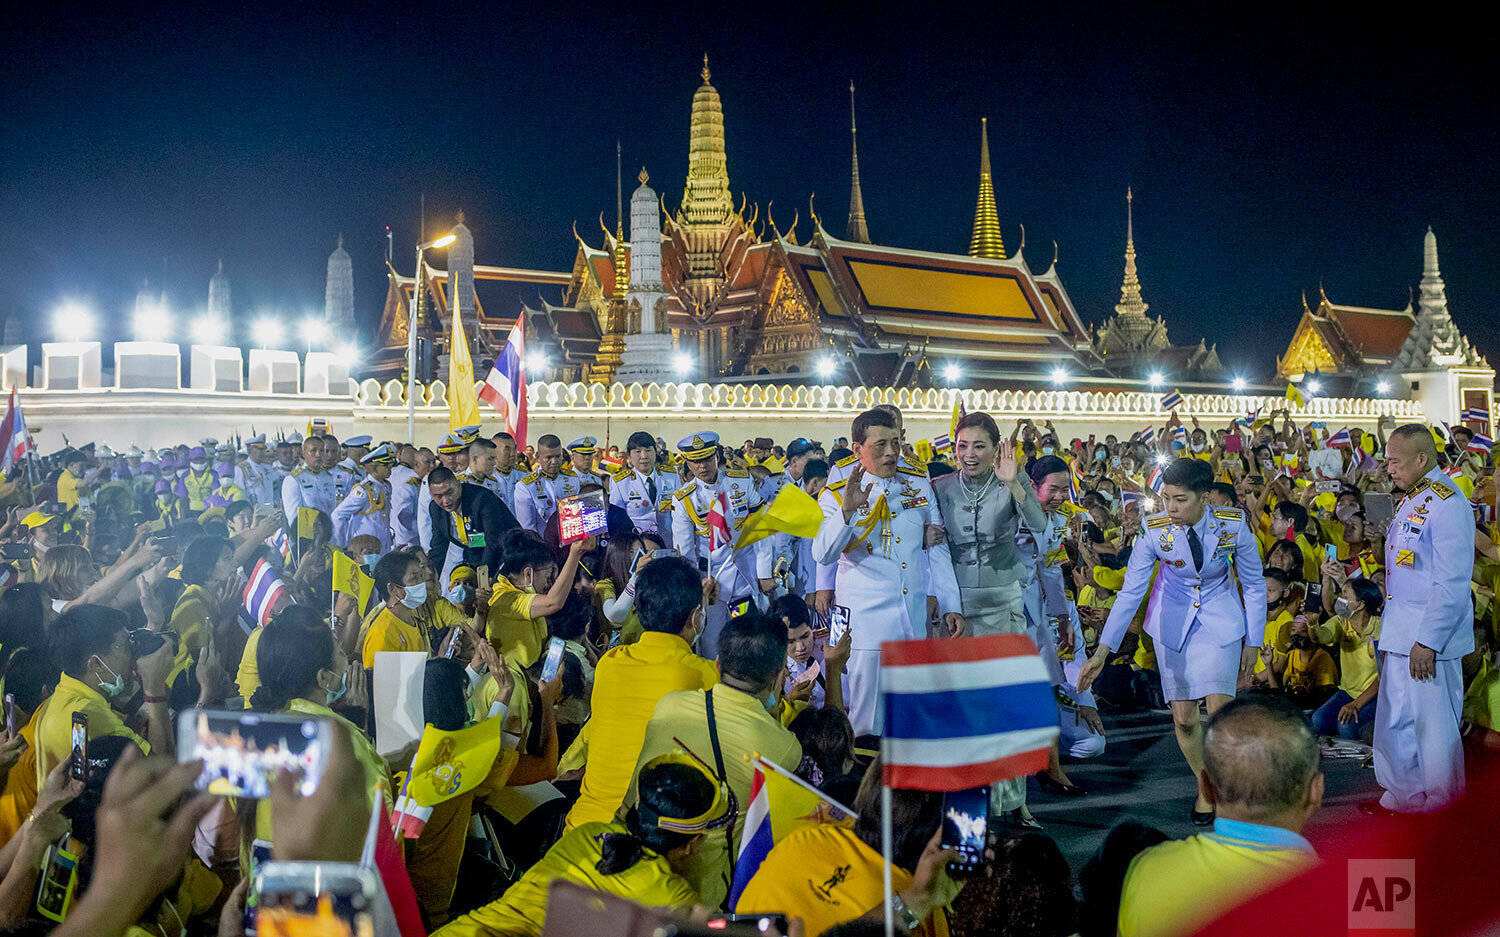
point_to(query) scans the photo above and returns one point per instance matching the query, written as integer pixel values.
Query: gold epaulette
(684, 492)
(531, 478)
(911, 471)
(838, 484)
(1441, 489)
(846, 461)
(737, 473)
(568, 470)
(1228, 514)
(414, 481)
(1158, 520)
(298, 470)
(621, 475)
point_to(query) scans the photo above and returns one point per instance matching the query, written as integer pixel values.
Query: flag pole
(885, 849)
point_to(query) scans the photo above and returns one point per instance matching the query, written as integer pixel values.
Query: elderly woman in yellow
(638, 859)
(207, 566)
(303, 671)
(828, 874)
(402, 583)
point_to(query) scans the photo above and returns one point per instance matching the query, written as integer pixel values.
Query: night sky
(1267, 154)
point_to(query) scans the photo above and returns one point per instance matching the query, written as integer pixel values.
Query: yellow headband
(717, 810)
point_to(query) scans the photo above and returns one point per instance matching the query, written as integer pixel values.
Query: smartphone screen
(316, 899)
(966, 826)
(1314, 601)
(59, 879)
(484, 577)
(10, 714)
(554, 659)
(580, 516)
(79, 748)
(838, 623)
(242, 751)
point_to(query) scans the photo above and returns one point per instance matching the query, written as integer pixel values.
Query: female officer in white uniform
(1206, 637)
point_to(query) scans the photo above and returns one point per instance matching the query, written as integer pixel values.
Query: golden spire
(1130, 303)
(856, 229)
(622, 263)
(986, 240)
(705, 68)
(707, 205)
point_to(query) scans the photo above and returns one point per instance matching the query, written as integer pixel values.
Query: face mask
(334, 695)
(370, 559)
(1101, 454)
(415, 595)
(1199, 446)
(1046, 450)
(1109, 499)
(1342, 607)
(148, 477)
(198, 466)
(1300, 642)
(770, 702)
(115, 687)
(458, 594)
(1345, 511)
(1272, 604)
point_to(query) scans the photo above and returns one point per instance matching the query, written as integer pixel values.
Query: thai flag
(1481, 444)
(1132, 497)
(1340, 440)
(1454, 470)
(942, 443)
(1179, 436)
(1148, 436)
(282, 544)
(15, 441)
(505, 386)
(718, 522)
(1171, 400)
(1153, 479)
(757, 840)
(1476, 415)
(964, 713)
(261, 593)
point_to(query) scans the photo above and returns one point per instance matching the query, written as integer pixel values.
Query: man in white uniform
(644, 491)
(877, 526)
(257, 476)
(309, 485)
(581, 453)
(508, 470)
(537, 494)
(1427, 627)
(481, 470)
(405, 487)
(698, 535)
(366, 509)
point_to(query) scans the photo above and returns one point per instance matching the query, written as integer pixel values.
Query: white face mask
(1342, 607)
(1199, 446)
(197, 465)
(415, 595)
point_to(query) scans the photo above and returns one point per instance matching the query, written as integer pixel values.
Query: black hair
(293, 647)
(236, 508)
(30, 675)
(200, 558)
(1294, 513)
(915, 816)
(482, 444)
(548, 440)
(1277, 575)
(571, 622)
(666, 593)
(1227, 490)
(640, 440)
(443, 700)
(671, 790)
(862, 423)
(1102, 877)
(792, 610)
(1286, 546)
(1369, 594)
(22, 618)
(440, 474)
(391, 570)
(520, 548)
(1193, 474)
(1044, 466)
(80, 633)
(815, 468)
(1029, 892)
(827, 738)
(752, 648)
(981, 420)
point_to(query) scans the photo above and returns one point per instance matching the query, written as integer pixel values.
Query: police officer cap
(295, 439)
(583, 445)
(259, 439)
(382, 455)
(105, 452)
(208, 442)
(357, 442)
(699, 445)
(134, 452)
(196, 453)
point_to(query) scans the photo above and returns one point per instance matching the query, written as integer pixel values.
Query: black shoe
(1374, 808)
(1015, 818)
(1053, 786)
(1202, 817)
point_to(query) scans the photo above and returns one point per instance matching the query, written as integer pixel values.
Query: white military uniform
(883, 576)
(258, 481)
(632, 491)
(507, 482)
(365, 510)
(837, 472)
(1044, 598)
(404, 489)
(1196, 617)
(735, 570)
(1429, 562)
(490, 483)
(304, 488)
(537, 496)
(345, 476)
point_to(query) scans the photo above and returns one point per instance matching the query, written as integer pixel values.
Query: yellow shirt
(192, 619)
(825, 875)
(1357, 665)
(67, 489)
(510, 627)
(745, 729)
(247, 678)
(389, 633)
(630, 629)
(54, 723)
(1308, 669)
(523, 907)
(627, 686)
(1278, 637)
(1312, 559)
(20, 785)
(1175, 887)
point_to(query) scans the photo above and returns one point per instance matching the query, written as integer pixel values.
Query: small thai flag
(1148, 436)
(1454, 470)
(964, 713)
(1153, 479)
(261, 593)
(1171, 400)
(942, 443)
(1476, 415)
(1179, 436)
(282, 544)
(718, 522)
(1481, 444)
(1340, 440)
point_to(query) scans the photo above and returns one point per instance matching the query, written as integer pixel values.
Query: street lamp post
(411, 338)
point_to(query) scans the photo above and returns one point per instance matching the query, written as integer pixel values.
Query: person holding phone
(1204, 618)
(529, 588)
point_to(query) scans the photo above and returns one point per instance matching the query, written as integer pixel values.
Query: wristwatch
(909, 919)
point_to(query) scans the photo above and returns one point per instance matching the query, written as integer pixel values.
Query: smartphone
(703, 565)
(1331, 551)
(838, 623)
(966, 826)
(1314, 600)
(553, 661)
(59, 879)
(484, 577)
(759, 923)
(242, 751)
(16, 551)
(581, 516)
(317, 899)
(10, 714)
(1232, 444)
(78, 768)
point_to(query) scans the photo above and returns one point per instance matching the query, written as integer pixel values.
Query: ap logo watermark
(1382, 897)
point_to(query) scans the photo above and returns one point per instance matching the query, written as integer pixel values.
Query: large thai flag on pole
(505, 386)
(964, 713)
(15, 441)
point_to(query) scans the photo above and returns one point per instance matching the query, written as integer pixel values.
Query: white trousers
(862, 693)
(1419, 757)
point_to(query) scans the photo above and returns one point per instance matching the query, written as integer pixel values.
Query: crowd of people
(1285, 593)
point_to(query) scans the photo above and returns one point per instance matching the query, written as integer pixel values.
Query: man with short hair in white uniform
(508, 470)
(367, 509)
(537, 494)
(644, 491)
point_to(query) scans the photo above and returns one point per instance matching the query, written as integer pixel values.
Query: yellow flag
(463, 403)
(924, 450)
(773, 465)
(451, 763)
(958, 413)
(793, 511)
(1295, 395)
(793, 805)
(350, 579)
(306, 518)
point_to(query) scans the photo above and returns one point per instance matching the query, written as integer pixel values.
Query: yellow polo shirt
(54, 723)
(745, 729)
(523, 907)
(247, 678)
(192, 619)
(1278, 637)
(510, 627)
(1357, 666)
(20, 785)
(1175, 887)
(389, 633)
(628, 683)
(67, 489)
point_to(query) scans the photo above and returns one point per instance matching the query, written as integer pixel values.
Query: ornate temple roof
(1341, 339)
(1434, 341)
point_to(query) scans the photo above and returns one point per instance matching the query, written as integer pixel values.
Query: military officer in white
(346, 469)
(882, 528)
(1206, 637)
(366, 509)
(581, 453)
(698, 537)
(257, 476)
(1050, 616)
(508, 471)
(309, 485)
(481, 471)
(405, 487)
(644, 491)
(537, 494)
(453, 455)
(1427, 627)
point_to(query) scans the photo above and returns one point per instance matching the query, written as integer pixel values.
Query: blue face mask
(370, 559)
(116, 686)
(415, 595)
(1046, 450)
(458, 594)
(335, 695)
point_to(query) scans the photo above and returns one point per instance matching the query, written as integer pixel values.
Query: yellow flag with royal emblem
(1295, 395)
(452, 763)
(793, 511)
(349, 578)
(463, 400)
(307, 519)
